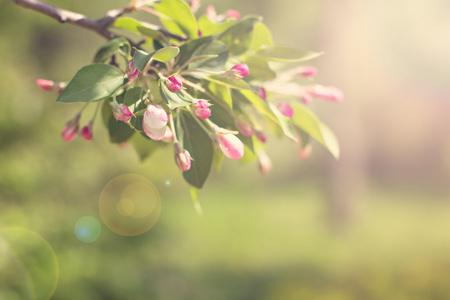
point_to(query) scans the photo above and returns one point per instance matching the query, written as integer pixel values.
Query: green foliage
(92, 83)
(211, 67)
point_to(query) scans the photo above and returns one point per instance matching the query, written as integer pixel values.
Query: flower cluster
(205, 85)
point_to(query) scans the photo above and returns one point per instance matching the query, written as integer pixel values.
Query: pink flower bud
(326, 92)
(182, 158)
(241, 70)
(286, 109)
(306, 97)
(70, 131)
(245, 127)
(211, 12)
(168, 135)
(155, 121)
(307, 71)
(132, 71)
(231, 146)
(201, 109)
(86, 132)
(174, 84)
(265, 165)
(262, 93)
(233, 14)
(194, 4)
(304, 153)
(121, 112)
(261, 136)
(46, 85)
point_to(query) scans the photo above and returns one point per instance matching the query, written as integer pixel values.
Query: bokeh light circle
(28, 265)
(130, 204)
(87, 229)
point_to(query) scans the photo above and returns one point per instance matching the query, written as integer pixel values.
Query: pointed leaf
(308, 122)
(259, 69)
(188, 49)
(110, 48)
(208, 27)
(133, 95)
(214, 64)
(173, 100)
(285, 54)
(92, 83)
(180, 20)
(261, 37)
(141, 59)
(238, 38)
(232, 83)
(166, 54)
(194, 139)
(138, 27)
(221, 92)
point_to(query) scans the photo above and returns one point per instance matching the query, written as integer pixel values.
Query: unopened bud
(201, 109)
(264, 163)
(48, 85)
(70, 130)
(86, 132)
(261, 136)
(132, 71)
(182, 157)
(286, 109)
(245, 127)
(231, 146)
(174, 84)
(305, 152)
(121, 112)
(155, 121)
(262, 93)
(307, 71)
(234, 14)
(326, 92)
(242, 70)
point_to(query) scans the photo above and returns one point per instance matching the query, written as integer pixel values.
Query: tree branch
(99, 26)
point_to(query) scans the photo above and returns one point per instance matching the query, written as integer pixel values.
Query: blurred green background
(373, 225)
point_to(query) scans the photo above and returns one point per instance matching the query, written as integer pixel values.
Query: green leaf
(260, 104)
(110, 48)
(238, 38)
(145, 147)
(119, 131)
(141, 59)
(137, 27)
(308, 122)
(208, 27)
(92, 83)
(181, 19)
(261, 37)
(166, 54)
(188, 49)
(221, 92)
(285, 54)
(259, 69)
(232, 83)
(196, 140)
(133, 95)
(201, 58)
(286, 124)
(213, 64)
(173, 100)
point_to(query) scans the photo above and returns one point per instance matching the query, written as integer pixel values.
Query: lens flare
(28, 265)
(130, 205)
(87, 229)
